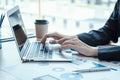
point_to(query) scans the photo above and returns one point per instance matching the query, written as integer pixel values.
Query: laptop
(33, 51)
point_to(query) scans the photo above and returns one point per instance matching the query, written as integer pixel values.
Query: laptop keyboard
(37, 50)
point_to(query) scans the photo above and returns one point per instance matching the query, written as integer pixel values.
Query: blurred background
(65, 16)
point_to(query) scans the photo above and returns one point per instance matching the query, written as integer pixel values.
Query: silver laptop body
(33, 51)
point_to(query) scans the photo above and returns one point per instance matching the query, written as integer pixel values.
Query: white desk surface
(11, 67)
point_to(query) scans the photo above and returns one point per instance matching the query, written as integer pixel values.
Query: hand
(81, 47)
(54, 35)
(57, 36)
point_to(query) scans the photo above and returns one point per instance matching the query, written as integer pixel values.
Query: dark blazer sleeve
(109, 32)
(109, 53)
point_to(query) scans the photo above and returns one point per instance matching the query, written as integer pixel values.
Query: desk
(11, 67)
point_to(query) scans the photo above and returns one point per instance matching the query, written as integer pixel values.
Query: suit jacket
(109, 32)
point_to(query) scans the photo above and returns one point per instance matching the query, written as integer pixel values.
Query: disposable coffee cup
(41, 28)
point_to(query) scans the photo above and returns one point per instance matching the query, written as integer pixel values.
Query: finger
(67, 46)
(68, 42)
(62, 40)
(71, 41)
(74, 41)
(43, 39)
(47, 36)
(53, 42)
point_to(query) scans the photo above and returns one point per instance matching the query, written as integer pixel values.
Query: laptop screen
(17, 26)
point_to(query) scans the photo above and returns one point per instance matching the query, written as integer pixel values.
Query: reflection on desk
(11, 67)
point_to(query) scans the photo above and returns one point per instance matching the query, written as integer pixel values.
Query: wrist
(94, 51)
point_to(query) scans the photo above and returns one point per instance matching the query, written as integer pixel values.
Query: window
(64, 16)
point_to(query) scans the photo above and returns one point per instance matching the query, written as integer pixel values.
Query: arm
(109, 32)
(104, 35)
